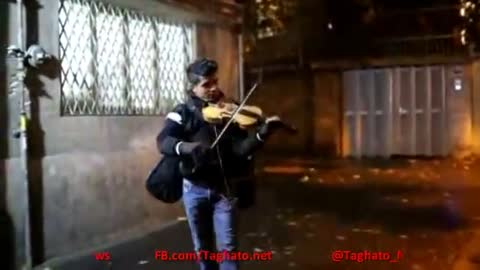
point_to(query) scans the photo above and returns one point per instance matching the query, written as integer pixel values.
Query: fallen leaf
(417, 267)
(451, 258)
(356, 176)
(304, 179)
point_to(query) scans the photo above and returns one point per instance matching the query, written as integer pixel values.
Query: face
(207, 89)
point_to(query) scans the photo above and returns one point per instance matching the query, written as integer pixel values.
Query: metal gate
(395, 111)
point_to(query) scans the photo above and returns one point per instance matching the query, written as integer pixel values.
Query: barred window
(116, 61)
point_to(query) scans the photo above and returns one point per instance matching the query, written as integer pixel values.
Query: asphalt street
(423, 214)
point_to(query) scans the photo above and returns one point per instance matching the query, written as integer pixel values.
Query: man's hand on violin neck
(270, 124)
(274, 118)
(273, 122)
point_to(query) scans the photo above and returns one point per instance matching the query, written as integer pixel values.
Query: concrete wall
(475, 86)
(309, 100)
(327, 113)
(222, 44)
(87, 173)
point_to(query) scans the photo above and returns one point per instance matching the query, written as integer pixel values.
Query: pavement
(424, 214)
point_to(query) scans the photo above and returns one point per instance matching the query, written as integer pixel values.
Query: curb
(56, 261)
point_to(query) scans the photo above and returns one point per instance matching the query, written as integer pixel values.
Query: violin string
(237, 110)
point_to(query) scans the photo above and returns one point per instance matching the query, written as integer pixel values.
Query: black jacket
(235, 149)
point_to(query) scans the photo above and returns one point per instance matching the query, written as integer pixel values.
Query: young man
(210, 195)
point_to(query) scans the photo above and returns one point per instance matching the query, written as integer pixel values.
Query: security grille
(116, 61)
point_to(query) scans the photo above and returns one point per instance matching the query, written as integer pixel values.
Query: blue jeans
(211, 216)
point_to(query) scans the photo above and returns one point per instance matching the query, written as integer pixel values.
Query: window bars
(116, 61)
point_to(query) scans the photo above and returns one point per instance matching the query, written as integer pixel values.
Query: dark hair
(201, 68)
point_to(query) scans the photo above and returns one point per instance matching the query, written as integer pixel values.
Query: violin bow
(237, 110)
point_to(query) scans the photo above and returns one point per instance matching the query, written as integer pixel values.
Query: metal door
(421, 116)
(395, 111)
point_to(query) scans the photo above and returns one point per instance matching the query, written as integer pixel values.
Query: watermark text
(365, 256)
(204, 255)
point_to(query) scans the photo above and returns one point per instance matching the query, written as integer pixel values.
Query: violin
(245, 116)
(218, 113)
(248, 116)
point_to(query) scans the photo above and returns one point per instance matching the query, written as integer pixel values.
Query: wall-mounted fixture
(458, 84)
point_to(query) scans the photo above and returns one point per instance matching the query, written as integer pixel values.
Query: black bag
(246, 191)
(165, 182)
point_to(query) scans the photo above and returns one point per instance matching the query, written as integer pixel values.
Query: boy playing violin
(211, 195)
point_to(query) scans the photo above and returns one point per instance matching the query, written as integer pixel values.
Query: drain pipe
(31, 58)
(22, 134)
(24, 116)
